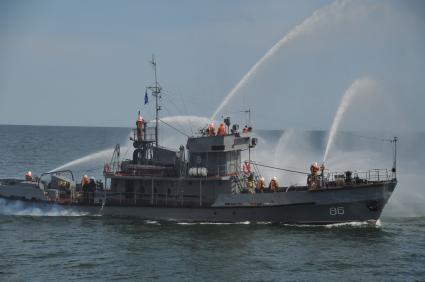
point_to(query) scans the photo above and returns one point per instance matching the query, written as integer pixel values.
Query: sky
(85, 63)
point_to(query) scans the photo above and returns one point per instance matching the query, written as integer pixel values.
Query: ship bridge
(216, 155)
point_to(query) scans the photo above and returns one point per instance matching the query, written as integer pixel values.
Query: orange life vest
(221, 130)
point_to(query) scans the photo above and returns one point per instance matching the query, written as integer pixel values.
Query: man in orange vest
(139, 127)
(221, 130)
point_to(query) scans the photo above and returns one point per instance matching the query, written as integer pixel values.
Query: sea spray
(101, 155)
(291, 151)
(308, 25)
(358, 87)
(281, 146)
(25, 209)
(187, 123)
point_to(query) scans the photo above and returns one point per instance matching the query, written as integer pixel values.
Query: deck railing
(372, 175)
(139, 199)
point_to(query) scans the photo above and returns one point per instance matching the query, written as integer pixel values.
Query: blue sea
(58, 246)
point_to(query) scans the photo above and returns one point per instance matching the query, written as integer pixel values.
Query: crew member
(245, 130)
(139, 127)
(221, 131)
(85, 183)
(246, 168)
(28, 176)
(274, 185)
(211, 130)
(92, 184)
(261, 185)
(314, 168)
(313, 179)
(251, 183)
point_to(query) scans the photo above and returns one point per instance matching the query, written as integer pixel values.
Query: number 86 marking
(336, 211)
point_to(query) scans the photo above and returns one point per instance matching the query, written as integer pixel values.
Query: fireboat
(207, 181)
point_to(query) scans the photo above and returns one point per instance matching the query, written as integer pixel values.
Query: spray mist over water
(19, 208)
(291, 151)
(306, 26)
(186, 123)
(358, 87)
(281, 146)
(97, 159)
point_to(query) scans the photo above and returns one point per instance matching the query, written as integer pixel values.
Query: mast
(156, 92)
(248, 111)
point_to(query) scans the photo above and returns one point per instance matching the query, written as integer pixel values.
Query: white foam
(356, 224)
(214, 223)
(154, 222)
(11, 207)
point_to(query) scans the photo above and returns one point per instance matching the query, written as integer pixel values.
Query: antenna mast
(156, 92)
(248, 111)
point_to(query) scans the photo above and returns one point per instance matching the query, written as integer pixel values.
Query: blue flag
(146, 97)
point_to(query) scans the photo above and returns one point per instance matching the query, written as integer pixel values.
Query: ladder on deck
(239, 181)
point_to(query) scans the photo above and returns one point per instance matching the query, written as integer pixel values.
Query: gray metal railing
(372, 175)
(140, 199)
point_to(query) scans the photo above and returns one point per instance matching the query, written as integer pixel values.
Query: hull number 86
(336, 210)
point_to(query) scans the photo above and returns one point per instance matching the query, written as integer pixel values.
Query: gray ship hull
(348, 204)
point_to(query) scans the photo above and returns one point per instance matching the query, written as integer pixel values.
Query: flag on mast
(146, 97)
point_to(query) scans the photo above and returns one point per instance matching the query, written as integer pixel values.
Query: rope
(176, 129)
(278, 168)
